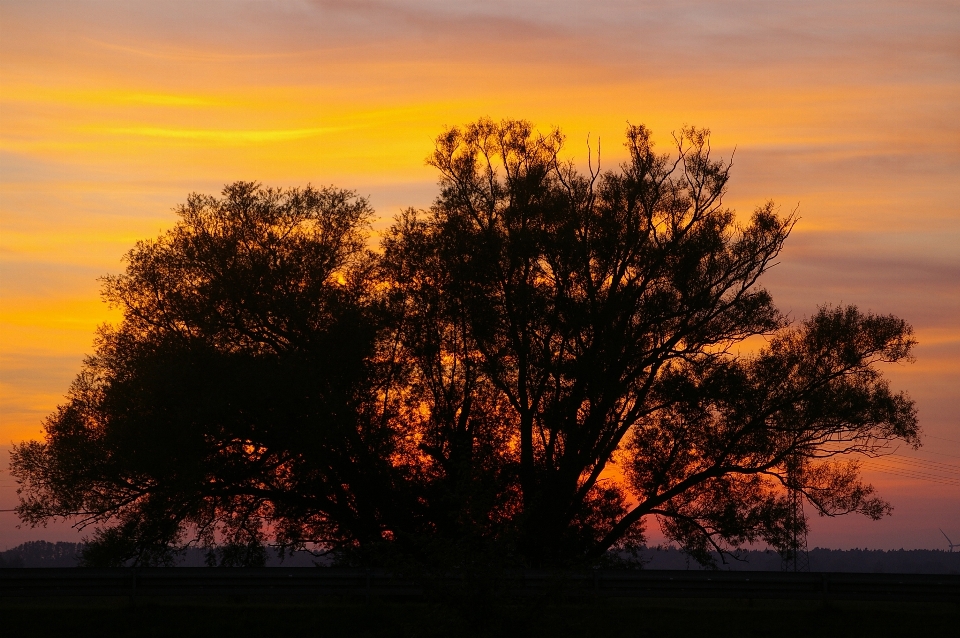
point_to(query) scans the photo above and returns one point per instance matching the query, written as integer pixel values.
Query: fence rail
(302, 582)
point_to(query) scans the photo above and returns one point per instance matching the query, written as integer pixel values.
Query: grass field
(615, 618)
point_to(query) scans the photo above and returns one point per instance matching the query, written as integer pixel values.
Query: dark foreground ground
(616, 618)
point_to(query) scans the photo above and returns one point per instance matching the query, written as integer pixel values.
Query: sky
(111, 113)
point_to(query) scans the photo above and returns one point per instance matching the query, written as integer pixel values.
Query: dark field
(616, 618)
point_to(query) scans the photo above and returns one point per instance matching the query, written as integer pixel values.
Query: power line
(922, 464)
(915, 475)
(951, 456)
(915, 469)
(933, 465)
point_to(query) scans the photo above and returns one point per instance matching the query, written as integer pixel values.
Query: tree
(232, 394)
(604, 311)
(532, 368)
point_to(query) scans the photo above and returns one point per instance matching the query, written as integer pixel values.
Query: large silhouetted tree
(531, 369)
(234, 393)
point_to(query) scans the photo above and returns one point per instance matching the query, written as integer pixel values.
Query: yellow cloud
(58, 314)
(230, 137)
(100, 97)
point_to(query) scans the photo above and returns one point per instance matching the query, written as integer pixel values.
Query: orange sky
(111, 112)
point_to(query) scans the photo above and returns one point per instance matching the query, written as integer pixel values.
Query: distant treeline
(44, 554)
(902, 561)
(914, 561)
(41, 554)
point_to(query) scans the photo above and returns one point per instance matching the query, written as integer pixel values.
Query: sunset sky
(112, 112)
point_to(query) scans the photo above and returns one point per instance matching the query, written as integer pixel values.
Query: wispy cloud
(222, 136)
(102, 97)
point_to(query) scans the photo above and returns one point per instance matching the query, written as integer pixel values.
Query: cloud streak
(228, 137)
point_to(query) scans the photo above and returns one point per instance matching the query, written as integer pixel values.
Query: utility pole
(796, 558)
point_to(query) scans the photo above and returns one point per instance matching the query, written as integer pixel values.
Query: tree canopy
(532, 369)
